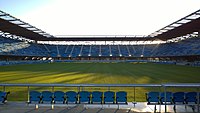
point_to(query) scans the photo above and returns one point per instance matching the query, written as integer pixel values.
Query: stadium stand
(16, 45)
(4, 63)
(20, 48)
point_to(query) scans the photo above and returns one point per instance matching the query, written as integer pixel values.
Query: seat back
(191, 97)
(153, 97)
(168, 97)
(71, 97)
(59, 96)
(34, 96)
(121, 97)
(84, 97)
(3, 96)
(47, 96)
(109, 97)
(97, 97)
(178, 97)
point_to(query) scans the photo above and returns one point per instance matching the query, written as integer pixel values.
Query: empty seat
(84, 97)
(109, 97)
(168, 97)
(191, 97)
(47, 96)
(178, 97)
(59, 97)
(153, 97)
(97, 97)
(121, 97)
(3, 96)
(71, 97)
(34, 96)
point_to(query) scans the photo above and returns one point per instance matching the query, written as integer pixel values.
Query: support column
(199, 34)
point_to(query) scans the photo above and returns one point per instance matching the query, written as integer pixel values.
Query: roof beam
(14, 20)
(3, 14)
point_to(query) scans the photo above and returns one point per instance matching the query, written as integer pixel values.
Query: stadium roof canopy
(184, 26)
(14, 26)
(181, 27)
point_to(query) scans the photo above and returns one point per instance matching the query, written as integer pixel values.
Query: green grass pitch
(96, 73)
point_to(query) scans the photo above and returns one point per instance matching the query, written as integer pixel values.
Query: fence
(80, 87)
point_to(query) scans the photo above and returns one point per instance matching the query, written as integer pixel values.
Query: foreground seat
(153, 97)
(84, 97)
(178, 98)
(47, 96)
(168, 99)
(121, 97)
(59, 97)
(3, 96)
(34, 97)
(71, 97)
(97, 97)
(109, 97)
(191, 97)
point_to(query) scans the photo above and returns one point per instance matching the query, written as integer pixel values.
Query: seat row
(3, 96)
(173, 98)
(176, 98)
(78, 97)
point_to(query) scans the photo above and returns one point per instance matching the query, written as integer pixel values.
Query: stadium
(131, 73)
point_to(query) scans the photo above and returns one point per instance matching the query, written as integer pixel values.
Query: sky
(99, 17)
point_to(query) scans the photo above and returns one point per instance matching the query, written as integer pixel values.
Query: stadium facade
(178, 41)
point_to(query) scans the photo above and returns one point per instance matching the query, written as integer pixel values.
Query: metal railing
(165, 87)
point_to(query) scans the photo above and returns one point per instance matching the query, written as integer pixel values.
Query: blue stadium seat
(3, 96)
(191, 97)
(121, 97)
(71, 97)
(97, 97)
(153, 97)
(84, 97)
(109, 97)
(47, 96)
(34, 96)
(168, 97)
(59, 96)
(178, 97)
